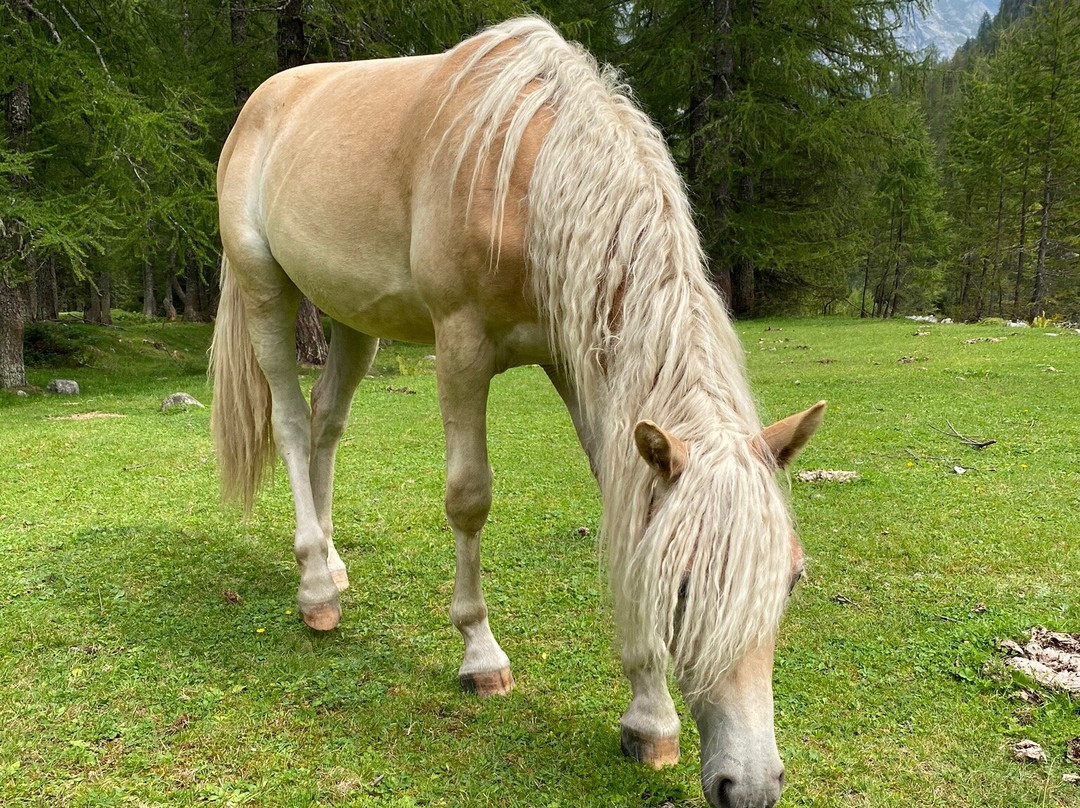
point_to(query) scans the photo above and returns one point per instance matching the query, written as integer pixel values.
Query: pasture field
(151, 654)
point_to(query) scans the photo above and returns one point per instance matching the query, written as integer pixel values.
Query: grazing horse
(508, 202)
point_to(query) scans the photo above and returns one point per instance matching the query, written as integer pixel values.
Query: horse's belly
(370, 290)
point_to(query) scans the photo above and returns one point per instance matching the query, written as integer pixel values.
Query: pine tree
(764, 104)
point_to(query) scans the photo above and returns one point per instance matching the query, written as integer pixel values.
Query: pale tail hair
(241, 410)
(617, 268)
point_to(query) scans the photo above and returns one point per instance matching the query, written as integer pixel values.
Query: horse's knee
(468, 499)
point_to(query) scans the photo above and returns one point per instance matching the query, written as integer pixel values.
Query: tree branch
(26, 4)
(89, 39)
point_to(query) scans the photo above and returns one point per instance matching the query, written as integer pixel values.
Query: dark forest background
(830, 170)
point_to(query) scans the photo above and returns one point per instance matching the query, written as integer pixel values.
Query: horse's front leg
(650, 725)
(464, 366)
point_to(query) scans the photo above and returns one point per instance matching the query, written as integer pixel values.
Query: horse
(509, 202)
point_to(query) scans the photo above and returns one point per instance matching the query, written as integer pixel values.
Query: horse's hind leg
(464, 366)
(347, 363)
(270, 304)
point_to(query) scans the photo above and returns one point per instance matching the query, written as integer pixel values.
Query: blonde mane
(617, 268)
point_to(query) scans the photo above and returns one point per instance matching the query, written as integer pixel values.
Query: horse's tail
(240, 415)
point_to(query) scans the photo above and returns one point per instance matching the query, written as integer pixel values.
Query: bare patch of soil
(86, 416)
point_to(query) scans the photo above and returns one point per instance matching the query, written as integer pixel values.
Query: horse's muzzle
(729, 792)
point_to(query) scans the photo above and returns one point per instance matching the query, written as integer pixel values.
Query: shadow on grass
(205, 633)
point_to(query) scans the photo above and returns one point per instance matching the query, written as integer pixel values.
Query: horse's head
(734, 578)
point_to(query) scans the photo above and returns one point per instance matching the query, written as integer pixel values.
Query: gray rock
(64, 387)
(22, 394)
(179, 400)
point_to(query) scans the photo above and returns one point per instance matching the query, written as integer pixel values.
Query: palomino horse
(507, 201)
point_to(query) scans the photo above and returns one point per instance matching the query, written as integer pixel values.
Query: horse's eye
(798, 576)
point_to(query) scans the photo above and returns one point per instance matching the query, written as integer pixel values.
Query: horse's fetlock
(310, 546)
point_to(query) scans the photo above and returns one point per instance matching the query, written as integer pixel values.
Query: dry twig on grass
(975, 443)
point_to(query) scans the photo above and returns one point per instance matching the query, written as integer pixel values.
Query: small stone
(64, 387)
(1072, 779)
(180, 400)
(1028, 751)
(429, 358)
(22, 394)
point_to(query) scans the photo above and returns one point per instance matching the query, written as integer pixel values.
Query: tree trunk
(12, 290)
(192, 296)
(149, 299)
(92, 312)
(48, 294)
(311, 345)
(982, 286)
(238, 36)
(865, 283)
(170, 282)
(12, 323)
(696, 114)
(1038, 292)
(965, 283)
(1000, 228)
(1023, 238)
(291, 45)
(105, 285)
(894, 299)
(311, 348)
(744, 264)
(723, 99)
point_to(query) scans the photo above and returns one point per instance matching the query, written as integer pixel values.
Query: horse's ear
(661, 450)
(786, 438)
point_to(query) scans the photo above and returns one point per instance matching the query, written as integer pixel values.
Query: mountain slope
(946, 27)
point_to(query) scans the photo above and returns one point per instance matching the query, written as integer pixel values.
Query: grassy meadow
(151, 654)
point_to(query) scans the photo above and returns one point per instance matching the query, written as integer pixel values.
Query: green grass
(128, 676)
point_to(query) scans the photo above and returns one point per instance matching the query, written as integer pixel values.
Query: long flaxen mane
(617, 268)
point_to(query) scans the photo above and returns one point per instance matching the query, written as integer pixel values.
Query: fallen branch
(975, 443)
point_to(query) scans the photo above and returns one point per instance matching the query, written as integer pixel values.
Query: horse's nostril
(780, 779)
(723, 792)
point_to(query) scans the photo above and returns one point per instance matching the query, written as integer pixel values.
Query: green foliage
(777, 112)
(1013, 160)
(55, 345)
(816, 182)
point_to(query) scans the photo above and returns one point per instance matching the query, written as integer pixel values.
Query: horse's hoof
(487, 683)
(341, 579)
(324, 617)
(655, 752)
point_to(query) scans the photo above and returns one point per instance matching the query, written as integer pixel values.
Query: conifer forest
(830, 170)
